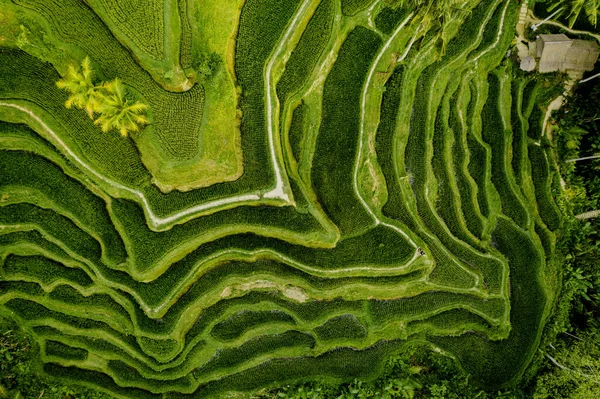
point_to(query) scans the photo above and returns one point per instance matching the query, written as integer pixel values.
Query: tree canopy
(572, 9)
(110, 100)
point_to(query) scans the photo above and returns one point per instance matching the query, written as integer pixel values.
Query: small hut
(552, 51)
(559, 53)
(582, 55)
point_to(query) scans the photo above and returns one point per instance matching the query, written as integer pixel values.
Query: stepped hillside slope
(319, 184)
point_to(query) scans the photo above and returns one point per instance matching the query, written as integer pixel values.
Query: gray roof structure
(528, 63)
(559, 53)
(552, 51)
(582, 55)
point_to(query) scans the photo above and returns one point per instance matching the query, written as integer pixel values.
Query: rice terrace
(206, 198)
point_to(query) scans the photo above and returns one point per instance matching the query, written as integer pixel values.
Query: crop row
(236, 299)
(500, 362)
(144, 245)
(389, 17)
(297, 131)
(33, 175)
(251, 58)
(305, 56)
(351, 7)
(443, 168)
(499, 140)
(333, 166)
(141, 21)
(427, 121)
(179, 283)
(77, 24)
(471, 228)
(75, 325)
(111, 156)
(485, 144)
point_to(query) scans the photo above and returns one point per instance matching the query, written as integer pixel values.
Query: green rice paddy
(337, 185)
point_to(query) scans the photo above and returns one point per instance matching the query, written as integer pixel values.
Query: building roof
(552, 51)
(528, 63)
(559, 53)
(582, 55)
(554, 38)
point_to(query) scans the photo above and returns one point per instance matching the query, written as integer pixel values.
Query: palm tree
(116, 112)
(109, 100)
(79, 84)
(575, 7)
(433, 14)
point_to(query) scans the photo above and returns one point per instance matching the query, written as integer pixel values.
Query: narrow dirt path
(156, 222)
(282, 187)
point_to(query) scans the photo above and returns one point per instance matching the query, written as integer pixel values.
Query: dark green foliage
(448, 269)
(472, 219)
(148, 246)
(536, 119)
(120, 370)
(447, 194)
(495, 362)
(60, 350)
(54, 225)
(519, 128)
(345, 327)
(388, 18)
(310, 311)
(304, 58)
(341, 364)
(250, 296)
(19, 368)
(478, 167)
(338, 136)
(20, 169)
(415, 372)
(254, 348)
(547, 238)
(495, 135)
(159, 348)
(424, 305)
(241, 322)
(451, 319)
(79, 376)
(469, 196)
(298, 130)
(43, 270)
(395, 206)
(541, 175)
(117, 158)
(351, 7)
(251, 56)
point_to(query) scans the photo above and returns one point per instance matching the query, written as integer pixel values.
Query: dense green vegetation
(573, 10)
(108, 99)
(321, 199)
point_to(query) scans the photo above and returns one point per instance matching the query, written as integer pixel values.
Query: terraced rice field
(391, 190)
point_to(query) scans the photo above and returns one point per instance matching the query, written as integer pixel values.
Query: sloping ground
(151, 30)
(177, 150)
(394, 191)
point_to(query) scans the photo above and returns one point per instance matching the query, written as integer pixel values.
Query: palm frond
(592, 8)
(137, 107)
(86, 69)
(108, 100)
